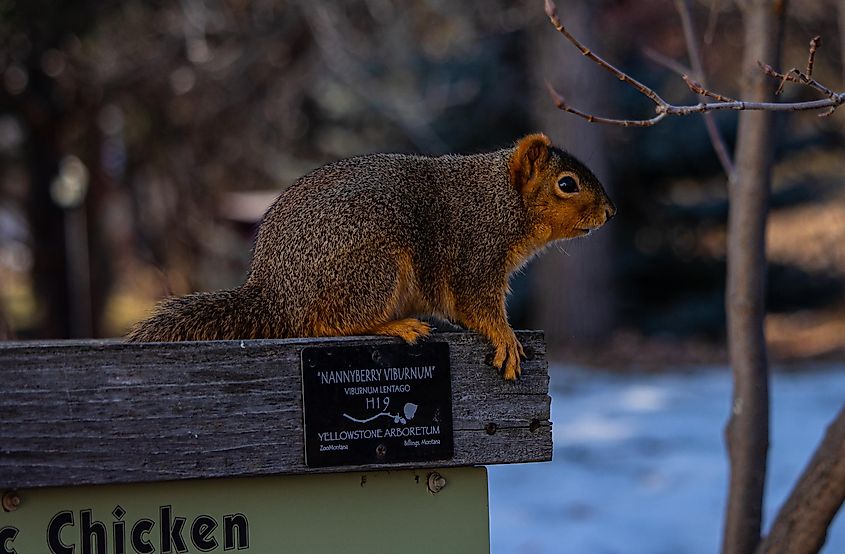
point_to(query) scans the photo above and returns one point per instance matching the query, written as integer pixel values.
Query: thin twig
(712, 20)
(689, 37)
(667, 62)
(699, 89)
(694, 54)
(815, 42)
(551, 11)
(794, 75)
(664, 108)
(719, 145)
(561, 104)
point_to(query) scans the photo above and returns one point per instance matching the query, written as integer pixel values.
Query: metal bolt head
(381, 451)
(11, 501)
(435, 482)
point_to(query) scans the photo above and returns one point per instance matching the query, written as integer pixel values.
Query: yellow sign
(387, 511)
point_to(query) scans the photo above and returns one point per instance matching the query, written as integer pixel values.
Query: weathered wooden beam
(94, 412)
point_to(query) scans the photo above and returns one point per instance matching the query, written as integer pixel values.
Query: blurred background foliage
(140, 143)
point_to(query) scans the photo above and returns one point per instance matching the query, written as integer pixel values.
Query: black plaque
(377, 404)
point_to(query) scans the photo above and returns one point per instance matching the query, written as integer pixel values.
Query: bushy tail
(227, 314)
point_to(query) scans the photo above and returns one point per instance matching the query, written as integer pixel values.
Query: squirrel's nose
(610, 212)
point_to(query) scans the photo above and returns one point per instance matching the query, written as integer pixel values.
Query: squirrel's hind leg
(409, 329)
(403, 299)
(372, 295)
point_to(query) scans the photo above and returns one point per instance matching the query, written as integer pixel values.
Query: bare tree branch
(551, 11)
(796, 76)
(664, 108)
(695, 60)
(561, 103)
(802, 522)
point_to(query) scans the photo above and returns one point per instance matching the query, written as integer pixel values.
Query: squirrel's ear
(530, 154)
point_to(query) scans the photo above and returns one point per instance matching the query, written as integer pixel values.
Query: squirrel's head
(558, 190)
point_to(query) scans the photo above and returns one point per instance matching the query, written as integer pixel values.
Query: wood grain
(95, 412)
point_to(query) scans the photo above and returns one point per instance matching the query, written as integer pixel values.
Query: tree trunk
(572, 290)
(747, 432)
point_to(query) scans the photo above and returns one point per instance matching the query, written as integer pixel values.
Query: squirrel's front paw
(507, 353)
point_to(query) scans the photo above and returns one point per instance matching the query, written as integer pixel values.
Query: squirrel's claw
(506, 358)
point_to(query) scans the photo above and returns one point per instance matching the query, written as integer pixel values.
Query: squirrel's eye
(568, 183)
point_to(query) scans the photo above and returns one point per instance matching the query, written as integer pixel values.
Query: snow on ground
(640, 466)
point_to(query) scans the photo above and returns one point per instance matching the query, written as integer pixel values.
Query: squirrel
(364, 245)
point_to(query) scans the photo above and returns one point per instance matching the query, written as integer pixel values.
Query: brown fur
(363, 245)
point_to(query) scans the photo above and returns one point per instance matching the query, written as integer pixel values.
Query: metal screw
(436, 482)
(381, 451)
(11, 501)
